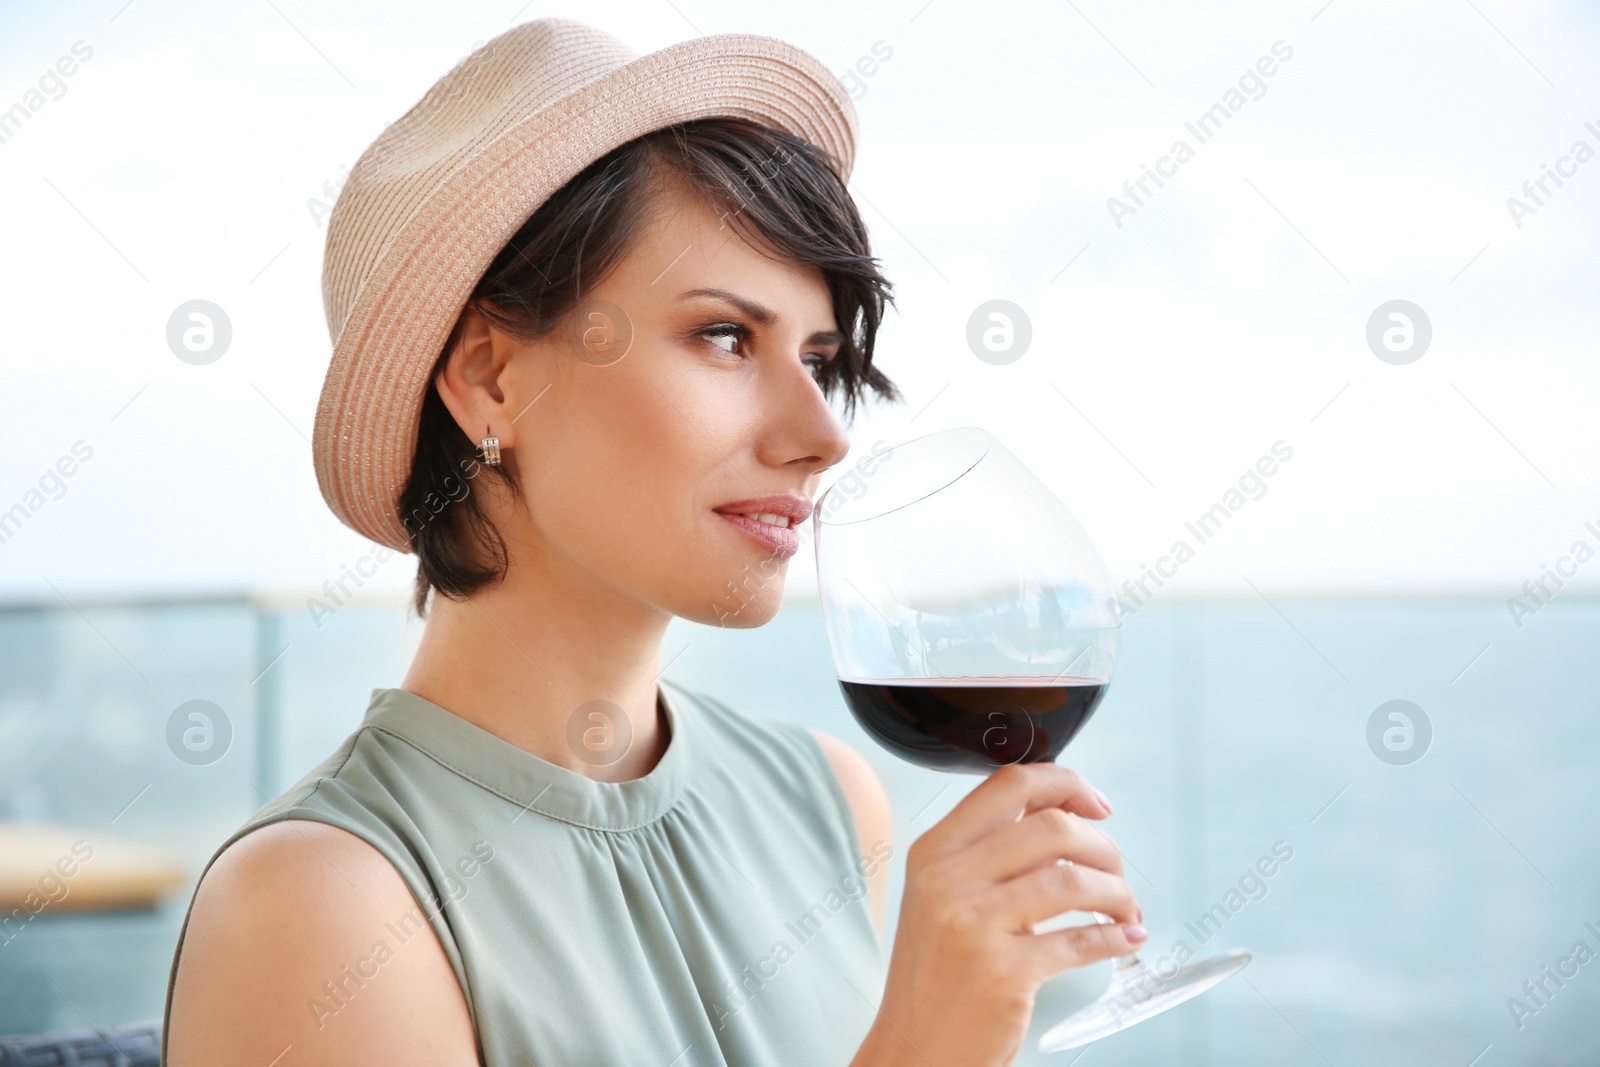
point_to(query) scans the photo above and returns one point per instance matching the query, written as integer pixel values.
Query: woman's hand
(966, 964)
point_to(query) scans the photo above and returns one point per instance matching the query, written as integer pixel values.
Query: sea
(1421, 777)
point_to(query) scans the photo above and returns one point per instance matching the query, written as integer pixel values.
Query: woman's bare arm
(305, 943)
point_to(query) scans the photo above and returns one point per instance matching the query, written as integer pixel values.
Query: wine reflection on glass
(972, 625)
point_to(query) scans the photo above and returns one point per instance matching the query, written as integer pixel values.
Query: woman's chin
(742, 608)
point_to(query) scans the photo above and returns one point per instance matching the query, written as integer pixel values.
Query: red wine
(973, 724)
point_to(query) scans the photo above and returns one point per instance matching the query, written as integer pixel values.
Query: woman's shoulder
(289, 923)
(306, 890)
(351, 788)
(863, 790)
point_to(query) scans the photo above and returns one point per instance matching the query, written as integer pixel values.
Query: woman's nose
(803, 431)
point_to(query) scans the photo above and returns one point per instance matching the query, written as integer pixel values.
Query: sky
(1177, 334)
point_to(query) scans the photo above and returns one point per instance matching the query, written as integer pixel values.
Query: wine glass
(973, 625)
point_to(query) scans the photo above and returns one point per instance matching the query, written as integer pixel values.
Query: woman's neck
(522, 659)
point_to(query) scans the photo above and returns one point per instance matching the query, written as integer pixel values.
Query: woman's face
(683, 389)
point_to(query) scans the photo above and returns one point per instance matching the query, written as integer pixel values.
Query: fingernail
(1103, 801)
(1135, 934)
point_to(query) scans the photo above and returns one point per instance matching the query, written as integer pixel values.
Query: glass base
(1137, 992)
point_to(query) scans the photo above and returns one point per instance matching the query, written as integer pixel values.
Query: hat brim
(370, 407)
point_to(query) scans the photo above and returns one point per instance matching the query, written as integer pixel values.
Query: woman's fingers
(1047, 892)
(966, 963)
(1040, 839)
(1008, 794)
(1075, 946)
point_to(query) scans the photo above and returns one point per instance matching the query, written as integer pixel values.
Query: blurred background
(1378, 258)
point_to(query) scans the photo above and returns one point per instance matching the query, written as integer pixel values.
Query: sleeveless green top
(712, 912)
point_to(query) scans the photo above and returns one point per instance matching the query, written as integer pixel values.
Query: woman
(589, 310)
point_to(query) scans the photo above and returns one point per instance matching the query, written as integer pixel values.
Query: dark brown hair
(781, 193)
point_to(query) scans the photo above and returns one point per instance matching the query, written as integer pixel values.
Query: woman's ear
(469, 383)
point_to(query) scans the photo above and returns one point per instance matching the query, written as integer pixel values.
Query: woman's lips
(781, 539)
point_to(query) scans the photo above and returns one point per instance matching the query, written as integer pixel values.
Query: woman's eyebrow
(763, 316)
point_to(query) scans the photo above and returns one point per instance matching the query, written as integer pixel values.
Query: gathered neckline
(532, 783)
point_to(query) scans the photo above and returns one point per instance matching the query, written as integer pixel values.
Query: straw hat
(428, 205)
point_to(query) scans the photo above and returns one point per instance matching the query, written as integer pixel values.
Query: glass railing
(1237, 738)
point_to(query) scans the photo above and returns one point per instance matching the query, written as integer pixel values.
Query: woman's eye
(730, 330)
(734, 333)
